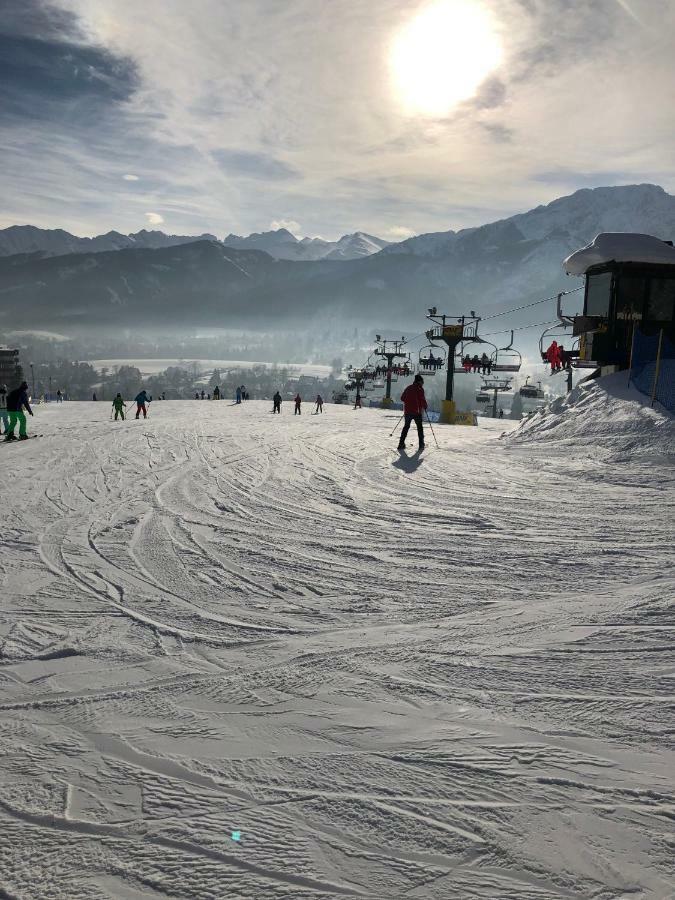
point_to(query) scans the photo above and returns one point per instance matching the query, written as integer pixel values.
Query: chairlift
(507, 359)
(460, 369)
(428, 363)
(482, 397)
(530, 392)
(561, 332)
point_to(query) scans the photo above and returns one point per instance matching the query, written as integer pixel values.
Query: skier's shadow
(408, 464)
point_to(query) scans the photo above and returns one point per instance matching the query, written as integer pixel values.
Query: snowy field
(255, 657)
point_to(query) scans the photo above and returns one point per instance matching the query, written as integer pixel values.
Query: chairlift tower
(497, 386)
(390, 350)
(452, 330)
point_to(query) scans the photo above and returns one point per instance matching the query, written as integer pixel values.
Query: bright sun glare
(443, 55)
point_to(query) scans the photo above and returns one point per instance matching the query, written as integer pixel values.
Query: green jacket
(118, 403)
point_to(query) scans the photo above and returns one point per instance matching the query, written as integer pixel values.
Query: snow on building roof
(620, 247)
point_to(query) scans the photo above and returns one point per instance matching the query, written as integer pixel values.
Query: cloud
(289, 224)
(399, 231)
(154, 218)
(131, 177)
(289, 107)
(253, 165)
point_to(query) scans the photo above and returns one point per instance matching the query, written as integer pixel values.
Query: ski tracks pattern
(395, 675)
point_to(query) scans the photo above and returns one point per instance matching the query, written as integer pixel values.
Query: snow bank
(619, 247)
(602, 417)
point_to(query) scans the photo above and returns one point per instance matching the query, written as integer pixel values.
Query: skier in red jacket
(414, 404)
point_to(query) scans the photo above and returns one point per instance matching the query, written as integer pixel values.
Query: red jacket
(414, 400)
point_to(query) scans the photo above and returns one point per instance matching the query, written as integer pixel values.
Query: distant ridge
(489, 268)
(280, 243)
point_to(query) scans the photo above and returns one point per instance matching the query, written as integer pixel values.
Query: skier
(203, 395)
(4, 417)
(319, 404)
(59, 396)
(466, 363)
(485, 364)
(140, 400)
(17, 400)
(277, 403)
(216, 393)
(475, 363)
(196, 395)
(298, 401)
(357, 401)
(119, 406)
(501, 413)
(414, 402)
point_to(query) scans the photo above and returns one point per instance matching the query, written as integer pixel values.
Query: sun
(442, 56)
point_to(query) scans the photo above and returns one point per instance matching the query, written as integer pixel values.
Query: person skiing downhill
(4, 416)
(140, 400)
(298, 402)
(414, 403)
(119, 406)
(17, 401)
(319, 404)
(276, 400)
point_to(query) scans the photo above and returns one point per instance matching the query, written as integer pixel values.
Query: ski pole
(396, 426)
(431, 426)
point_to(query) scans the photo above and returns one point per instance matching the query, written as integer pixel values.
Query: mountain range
(279, 243)
(203, 281)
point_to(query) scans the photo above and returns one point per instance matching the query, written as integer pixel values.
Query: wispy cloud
(248, 164)
(154, 218)
(130, 177)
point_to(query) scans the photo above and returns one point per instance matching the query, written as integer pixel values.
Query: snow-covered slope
(263, 657)
(281, 244)
(605, 419)
(354, 246)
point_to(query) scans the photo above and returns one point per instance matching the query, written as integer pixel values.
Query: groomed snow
(447, 676)
(619, 247)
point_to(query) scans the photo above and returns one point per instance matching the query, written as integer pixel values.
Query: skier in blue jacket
(140, 401)
(17, 401)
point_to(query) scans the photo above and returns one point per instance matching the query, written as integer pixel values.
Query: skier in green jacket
(119, 406)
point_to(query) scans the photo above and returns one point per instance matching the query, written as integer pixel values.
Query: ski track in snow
(397, 676)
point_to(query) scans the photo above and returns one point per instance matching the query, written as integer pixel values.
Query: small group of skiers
(557, 357)
(12, 405)
(477, 364)
(141, 400)
(433, 362)
(277, 399)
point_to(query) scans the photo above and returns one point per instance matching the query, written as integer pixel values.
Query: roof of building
(610, 247)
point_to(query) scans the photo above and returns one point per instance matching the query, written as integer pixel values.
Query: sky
(386, 116)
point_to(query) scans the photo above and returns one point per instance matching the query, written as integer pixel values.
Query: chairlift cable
(529, 305)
